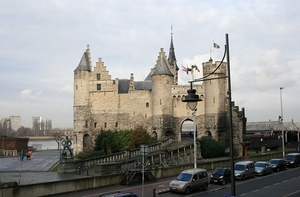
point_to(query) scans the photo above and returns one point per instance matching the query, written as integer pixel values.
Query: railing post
(154, 192)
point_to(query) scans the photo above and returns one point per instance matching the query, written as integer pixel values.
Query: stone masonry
(103, 103)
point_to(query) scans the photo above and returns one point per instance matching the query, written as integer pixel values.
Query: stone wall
(51, 188)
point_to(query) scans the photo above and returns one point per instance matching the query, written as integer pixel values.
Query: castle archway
(187, 130)
(208, 134)
(87, 143)
(154, 135)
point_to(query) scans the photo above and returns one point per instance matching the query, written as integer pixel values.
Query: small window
(98, 86)
(116, 124)
(98, 76)
(86, 123)
(104, 125)
(147, 104)
(195, 177)
(95, 124)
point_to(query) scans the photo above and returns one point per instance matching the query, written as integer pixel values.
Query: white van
(189, 180)
(244, 169)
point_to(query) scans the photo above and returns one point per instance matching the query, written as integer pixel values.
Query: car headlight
(292, 162)
(237, 174)
(221, 177)
(211, 176)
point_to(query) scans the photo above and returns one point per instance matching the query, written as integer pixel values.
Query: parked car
(263, 168)
(221, 175)
(189, 180)
(118, 194)
(292, 160)
(277, 164)
(244, 169)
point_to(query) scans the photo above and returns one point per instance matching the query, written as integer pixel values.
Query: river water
(44, 144)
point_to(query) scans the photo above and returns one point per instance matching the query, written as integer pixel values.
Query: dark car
(221, 175)
(263, 168)
(278, 164)
(128, 194)
(292, 160)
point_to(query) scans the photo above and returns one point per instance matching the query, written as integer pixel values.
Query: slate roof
(162, 67)
(84, 64)
(139, 85)
(272, 125)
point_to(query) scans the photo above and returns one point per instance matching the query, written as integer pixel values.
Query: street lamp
(191, 99)
(4, 129)
(281, 120)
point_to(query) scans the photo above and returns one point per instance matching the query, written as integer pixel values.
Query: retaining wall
(84, 183)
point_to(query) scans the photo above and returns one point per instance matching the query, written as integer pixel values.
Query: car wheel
(243, 177)
(253, 175)
(187, 190)
(205, 187)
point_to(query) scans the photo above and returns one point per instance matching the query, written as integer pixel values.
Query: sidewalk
(36, 170)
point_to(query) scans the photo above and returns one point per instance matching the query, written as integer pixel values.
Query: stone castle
(103, 103)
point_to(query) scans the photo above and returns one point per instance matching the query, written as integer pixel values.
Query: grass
(56, 167)
(254, 153)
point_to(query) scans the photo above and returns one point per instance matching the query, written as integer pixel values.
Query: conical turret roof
(84, 63)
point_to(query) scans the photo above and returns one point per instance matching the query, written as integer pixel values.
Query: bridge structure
(40, 137)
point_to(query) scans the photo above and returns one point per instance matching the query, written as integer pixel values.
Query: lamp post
(281, 120)
(4, 129)
(191, 99)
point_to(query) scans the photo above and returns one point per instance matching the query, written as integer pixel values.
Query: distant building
(14, 122)
(102, 103)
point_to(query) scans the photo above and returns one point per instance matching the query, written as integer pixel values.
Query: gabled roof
(272, 125)
(84, 64)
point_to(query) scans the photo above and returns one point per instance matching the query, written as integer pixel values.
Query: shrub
(211, 148)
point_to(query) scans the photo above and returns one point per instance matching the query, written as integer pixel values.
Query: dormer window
(98, 76)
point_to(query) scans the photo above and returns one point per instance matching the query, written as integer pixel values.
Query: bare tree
(57, 135)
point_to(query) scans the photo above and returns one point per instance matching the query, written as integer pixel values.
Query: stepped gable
(161, 67)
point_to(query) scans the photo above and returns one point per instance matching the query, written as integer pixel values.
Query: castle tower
(81, 100)
(215, 97)
(161, 97)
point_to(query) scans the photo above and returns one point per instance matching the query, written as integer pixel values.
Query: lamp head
(191, 99)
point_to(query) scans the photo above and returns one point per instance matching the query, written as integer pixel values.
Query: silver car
(189, 180)
(263, 168)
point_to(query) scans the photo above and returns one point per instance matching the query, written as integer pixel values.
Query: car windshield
(184, 177)
(239, 167)
(219, 171)
(290, 157)
(259, 164)
(274, 161)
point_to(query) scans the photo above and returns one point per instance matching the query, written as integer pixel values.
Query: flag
(196, 67)
(216, 46)
(186, 69)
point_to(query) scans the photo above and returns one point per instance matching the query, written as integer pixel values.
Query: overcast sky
(42, 43)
